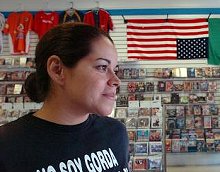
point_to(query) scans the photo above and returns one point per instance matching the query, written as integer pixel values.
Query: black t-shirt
(31, 144)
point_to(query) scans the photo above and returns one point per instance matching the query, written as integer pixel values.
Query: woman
(76, 81)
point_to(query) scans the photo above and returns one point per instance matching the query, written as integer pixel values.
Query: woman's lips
(111, 96)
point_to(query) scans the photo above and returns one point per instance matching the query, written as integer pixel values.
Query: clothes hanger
(96, 9)
(71, 10)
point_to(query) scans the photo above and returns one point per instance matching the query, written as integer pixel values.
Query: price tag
(17, 88)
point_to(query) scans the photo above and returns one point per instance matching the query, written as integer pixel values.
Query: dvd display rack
(168, 110)
(13, 99)
(141, 111)
(190, 101)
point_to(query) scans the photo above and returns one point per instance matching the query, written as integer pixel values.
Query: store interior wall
(119, 34)
(12, 5)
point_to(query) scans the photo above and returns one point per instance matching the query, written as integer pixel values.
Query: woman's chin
(106, 112)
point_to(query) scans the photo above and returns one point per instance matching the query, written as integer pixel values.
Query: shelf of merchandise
(14, 69)
(135, 84)
(14, 102)
(144, 122)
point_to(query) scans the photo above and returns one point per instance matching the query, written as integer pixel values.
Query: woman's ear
(55, 69)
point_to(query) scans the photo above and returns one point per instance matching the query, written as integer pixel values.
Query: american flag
(161, 39)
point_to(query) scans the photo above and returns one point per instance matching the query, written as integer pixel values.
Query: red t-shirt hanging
(103, 21)
(18, 26)
(44, 21)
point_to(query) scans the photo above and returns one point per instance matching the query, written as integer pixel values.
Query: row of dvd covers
(18, 62)
(169, 111)
(188, 72)
(146, 163)
(137, 100)
(134, 73)
(144, 135)
(143, 122)
(193, 140)
(128, 100)
(192, 122)
(13, 75)
(169, 86)
(189, 110)
(145, 148)
(11, 89)
(11, 115)
(16, 98)
(137, 117)
(198, 145)
(193, 134)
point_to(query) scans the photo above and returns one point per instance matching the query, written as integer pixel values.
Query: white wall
(33, 5)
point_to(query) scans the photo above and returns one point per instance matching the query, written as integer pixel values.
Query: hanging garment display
(17, 27)
(99, 18)
(43, 21)
(71, 15)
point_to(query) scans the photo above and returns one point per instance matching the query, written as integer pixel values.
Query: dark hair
(70, 42)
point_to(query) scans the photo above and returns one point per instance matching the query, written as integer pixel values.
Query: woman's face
(91, 84)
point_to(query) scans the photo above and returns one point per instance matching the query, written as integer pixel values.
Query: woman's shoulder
(14, 127)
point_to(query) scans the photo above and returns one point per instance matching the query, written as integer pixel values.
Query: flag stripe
(135, 46)
(152, 52)
(195, 20)
(144, 57)
(137, 55)
(169, 33)
(166, 36)
(142, 27)
(149, 38)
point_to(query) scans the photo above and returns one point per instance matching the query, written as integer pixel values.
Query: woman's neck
(60, 115)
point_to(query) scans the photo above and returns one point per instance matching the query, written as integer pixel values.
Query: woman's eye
(102, 68)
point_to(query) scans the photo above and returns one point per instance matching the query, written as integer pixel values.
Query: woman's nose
(114, 80)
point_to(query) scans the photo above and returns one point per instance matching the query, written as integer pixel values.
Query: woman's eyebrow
(107, 60)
